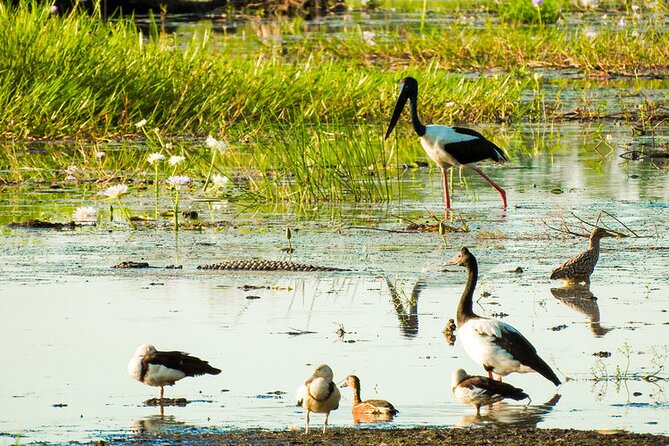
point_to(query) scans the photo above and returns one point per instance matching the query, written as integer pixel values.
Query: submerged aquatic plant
(115, 193)
(176, 182)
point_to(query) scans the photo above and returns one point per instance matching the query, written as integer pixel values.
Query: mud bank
(498, 436)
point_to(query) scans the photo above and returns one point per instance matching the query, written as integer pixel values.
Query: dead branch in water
(567, 227)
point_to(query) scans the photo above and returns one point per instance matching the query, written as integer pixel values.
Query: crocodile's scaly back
(266, 265)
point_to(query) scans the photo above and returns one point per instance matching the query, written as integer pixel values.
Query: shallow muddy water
(69, 322)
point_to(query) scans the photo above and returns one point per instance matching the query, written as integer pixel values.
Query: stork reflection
(406, 307)
(580, 298)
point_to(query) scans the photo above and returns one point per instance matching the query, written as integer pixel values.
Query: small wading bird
(494, 344)
(159, 369)
(368, 411)
(479, 390)
(319, 394)
(447, 146)
(579, 268)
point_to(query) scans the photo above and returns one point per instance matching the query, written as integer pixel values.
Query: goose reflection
(156, 424)
(580, 298)
(511, 415)
(406, 308)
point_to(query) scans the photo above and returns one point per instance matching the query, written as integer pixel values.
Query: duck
(500, 348)
(447, 146)
(164, 368)
(319, 394)
(480, 390)
(368, 411)
(579, 268)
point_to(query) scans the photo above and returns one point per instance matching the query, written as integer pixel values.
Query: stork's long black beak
(399, 106)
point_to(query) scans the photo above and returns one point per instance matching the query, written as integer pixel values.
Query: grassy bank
(78, 76)
(303, 114)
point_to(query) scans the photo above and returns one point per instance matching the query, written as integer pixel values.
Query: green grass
(304, 119)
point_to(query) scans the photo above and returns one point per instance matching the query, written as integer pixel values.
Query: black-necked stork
(480, 391)
(447, 146)
(496, 345)
(319, 394)
(368, 411)
(159, 369)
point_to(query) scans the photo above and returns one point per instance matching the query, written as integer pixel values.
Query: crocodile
(267, 265)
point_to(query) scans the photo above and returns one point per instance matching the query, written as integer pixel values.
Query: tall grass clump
(79, 76)
(537, 12)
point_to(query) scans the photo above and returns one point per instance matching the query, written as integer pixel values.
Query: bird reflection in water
(580, 298)
(406, 307)
(156, 424)
(449, 332)
(511, 414)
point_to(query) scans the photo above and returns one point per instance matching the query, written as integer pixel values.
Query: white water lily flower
(368, 37)
(116, 191)
(85, 214)
(177, 181)
(219, 180)
(175, 159)
(72, 170)
(215, 144)
(155, 158)
(140, 124)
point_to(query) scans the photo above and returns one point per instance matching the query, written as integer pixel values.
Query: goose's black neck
(415, 121)
(465, 307)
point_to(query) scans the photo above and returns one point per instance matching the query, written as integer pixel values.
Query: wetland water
(69, 323)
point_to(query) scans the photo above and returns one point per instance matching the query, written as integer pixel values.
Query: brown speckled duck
(579, 268)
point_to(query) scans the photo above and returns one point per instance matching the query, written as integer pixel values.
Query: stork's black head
(408, 90)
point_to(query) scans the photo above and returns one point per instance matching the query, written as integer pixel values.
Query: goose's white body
(157, 375)
(477, 338)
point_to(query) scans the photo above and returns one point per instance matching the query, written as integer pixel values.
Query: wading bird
(579, 268)
(159, 369)
(494, 344)
(368, 411)
(447, 146)
(319, 394)
(479, 390)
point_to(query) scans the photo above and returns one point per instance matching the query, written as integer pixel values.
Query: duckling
(368, 411)
(480, 390)
(319, 394)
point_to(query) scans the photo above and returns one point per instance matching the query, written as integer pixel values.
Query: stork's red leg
(447, 198)
(492, 183)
